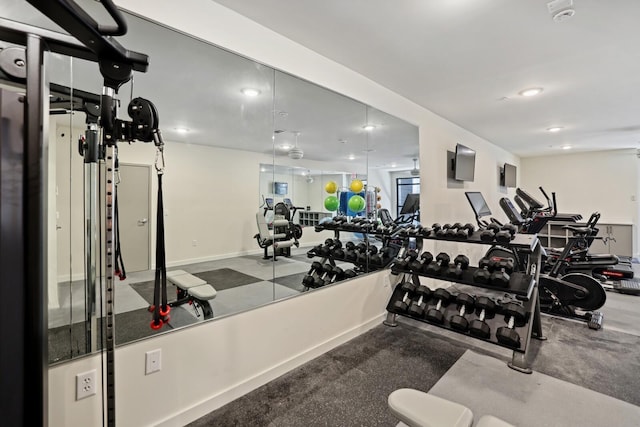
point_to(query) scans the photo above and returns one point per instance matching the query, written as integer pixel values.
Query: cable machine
(22, 191)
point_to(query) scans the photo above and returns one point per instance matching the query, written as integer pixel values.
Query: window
(405, 186)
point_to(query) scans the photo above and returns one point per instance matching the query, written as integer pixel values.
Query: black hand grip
(121, 25)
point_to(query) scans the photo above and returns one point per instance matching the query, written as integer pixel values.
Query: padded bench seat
(415, 408)
(195, 286)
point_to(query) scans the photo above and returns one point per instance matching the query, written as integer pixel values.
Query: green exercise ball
(356, 203)
(331, 203)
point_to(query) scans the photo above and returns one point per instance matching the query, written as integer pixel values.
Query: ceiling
(467, 60)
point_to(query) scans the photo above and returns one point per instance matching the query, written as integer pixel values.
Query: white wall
(208, 365)
(603, 181)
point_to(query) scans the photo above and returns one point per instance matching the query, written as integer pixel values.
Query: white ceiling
(466, 60)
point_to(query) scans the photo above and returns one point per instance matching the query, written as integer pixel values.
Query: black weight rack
(523, 285)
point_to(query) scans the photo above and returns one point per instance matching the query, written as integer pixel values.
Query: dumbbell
(461, 262)
(308, 280)
(451, 231)
(442, 232)
(323, 276)
(506, 334)
(337, 252)
(478, 327)
(365, 257)
(349, 273)
(425, 231)
(435, 267)
(338, 274)
(435, 227)
(350, 252)
(325, 250)
(417, 307)
(465, 303)
(506, 233)
(501, 272)
(483, 274)
(434, 314)
(418, 266)
(489, 233)
(403, 263)
(402, 305)
(465, 231)
(382, 257)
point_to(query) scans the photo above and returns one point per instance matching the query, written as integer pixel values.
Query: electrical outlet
(153, 361)
(86, 384)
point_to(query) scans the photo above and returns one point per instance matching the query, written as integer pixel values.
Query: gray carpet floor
(349, 385)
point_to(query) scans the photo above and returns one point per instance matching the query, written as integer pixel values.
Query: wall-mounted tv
(280, 188)
(464, 163)
(509, 176)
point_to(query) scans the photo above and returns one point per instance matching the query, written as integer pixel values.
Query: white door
(134, 200)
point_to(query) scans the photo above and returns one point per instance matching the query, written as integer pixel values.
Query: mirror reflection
(246, 147)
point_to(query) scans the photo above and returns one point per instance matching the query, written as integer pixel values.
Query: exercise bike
(573, 295)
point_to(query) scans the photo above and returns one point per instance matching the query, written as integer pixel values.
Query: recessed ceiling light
(182, 130)
(566, 147)
(555, 129)
(248, 91)
(352, 157)
(533, 91)
(368, 127)
(393, 165)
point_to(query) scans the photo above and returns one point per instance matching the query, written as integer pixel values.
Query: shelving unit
(614, 239)
(523, 286)
(312, 218)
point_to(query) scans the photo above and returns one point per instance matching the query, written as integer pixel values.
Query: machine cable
(160, 307)
(119, 262)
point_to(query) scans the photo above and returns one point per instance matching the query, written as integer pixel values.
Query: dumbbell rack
(522, 285)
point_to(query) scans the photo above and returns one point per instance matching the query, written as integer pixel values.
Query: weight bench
(192, 290)
(418, 409)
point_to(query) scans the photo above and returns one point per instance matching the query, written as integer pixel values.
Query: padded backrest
(282, 210)
(263, 227)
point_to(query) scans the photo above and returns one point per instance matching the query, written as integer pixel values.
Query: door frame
(149, 206)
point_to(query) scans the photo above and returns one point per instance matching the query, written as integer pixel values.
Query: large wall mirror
(242, 141)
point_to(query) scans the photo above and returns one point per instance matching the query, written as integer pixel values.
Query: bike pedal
(595, 321)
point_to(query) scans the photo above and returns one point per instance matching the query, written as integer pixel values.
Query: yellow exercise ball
(331, 187)
(356, 186)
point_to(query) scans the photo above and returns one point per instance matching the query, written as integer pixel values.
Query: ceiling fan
(415, 171)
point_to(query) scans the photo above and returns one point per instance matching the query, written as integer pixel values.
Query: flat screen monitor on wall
(509, 176)
(280, 188)
(464, 163)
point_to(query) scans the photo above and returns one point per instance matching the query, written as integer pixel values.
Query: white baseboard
(200, 409)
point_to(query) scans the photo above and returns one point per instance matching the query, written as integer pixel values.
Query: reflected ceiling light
(182, 130)
(296, 153)
(566, 147)
(263, 170)
(393, 165)
(248, 91)
(555, 129)
(415, 171)
(351, 157)
(368, 127)
(531, 91)
(285, 146)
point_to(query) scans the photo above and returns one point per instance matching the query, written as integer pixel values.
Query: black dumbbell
(349, 273)
(489, 233)
(435, 227)
(337, 252)
(309, 280)
(403, 263)
(402, 305)
(478, 327)
(434, 314)
(483, 274)
(425, 231)
(381, 256)
(465, 304)
(417, 307)
(436, 267)
(465, 231)
(451, 231)
(325, 250)
(506, 233)
(501, 272)
(418, 265)
(506, 334)
(324, 276)
(350, 252)
(461, 262)
(442, 232)
(338, 274)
